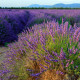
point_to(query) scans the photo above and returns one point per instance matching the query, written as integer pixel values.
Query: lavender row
(46, 46)
(14, 21)
(11, 23)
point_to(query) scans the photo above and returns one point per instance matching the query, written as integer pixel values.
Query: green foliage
(35, 8)
(71, 20)
(19, 70)
(6, 44)
(38, 21)
(60, 21)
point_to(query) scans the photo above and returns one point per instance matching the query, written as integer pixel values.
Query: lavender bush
(11, 23)
(45, 47)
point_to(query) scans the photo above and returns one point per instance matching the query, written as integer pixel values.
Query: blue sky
(23, 3)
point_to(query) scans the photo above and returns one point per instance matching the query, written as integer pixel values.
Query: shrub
(11, 25)
(47, 46)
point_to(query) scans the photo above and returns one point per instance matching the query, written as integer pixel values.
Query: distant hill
(37, 5)
(75, 5)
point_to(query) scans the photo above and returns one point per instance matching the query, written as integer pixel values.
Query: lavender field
(39, 44)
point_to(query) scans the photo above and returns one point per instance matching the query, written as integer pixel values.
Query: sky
(24, 3)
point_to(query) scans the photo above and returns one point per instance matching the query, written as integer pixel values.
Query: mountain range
(75, 5)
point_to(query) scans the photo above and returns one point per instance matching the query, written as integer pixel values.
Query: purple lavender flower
(47, 62)
(67, 64)
(53, 60)
(47, 57)
(51, 33)
(61, 73)
(70, 40)
(62, 54)
(57, 72)
(67, 60)
(78, 56)
(42, 38)
(79, 44)
(70, 28)
(65, 29)
(76, 33)
(50, 56)
(76, 66)
(78, 37)
(75, 50)
(62, 64)
(37, 74)
(45, 49)
(43, 66)
(29, 44)
(72, 62)
(70, 51)
(29, 70)
(55, 54)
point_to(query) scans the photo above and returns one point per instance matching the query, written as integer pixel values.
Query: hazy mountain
(75, 5)
(37, 5)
